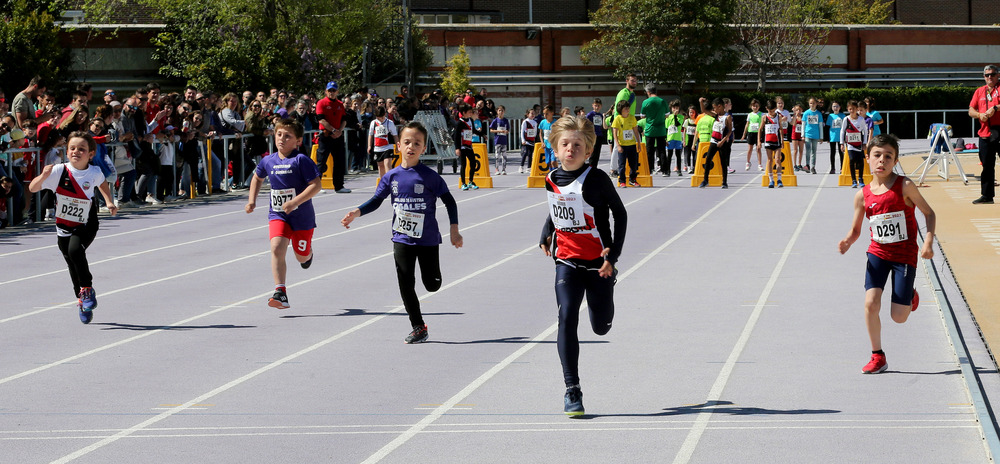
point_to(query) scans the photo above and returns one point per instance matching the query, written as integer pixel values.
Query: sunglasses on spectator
(108, 93)
(134, 107)
(991, 74)
(255, 106)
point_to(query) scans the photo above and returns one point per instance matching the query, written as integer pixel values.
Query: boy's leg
(621, 166)
(405, 257)
(429, 260)
(601, 301)
(632, 154)
(301, 242)
(595, 156)
(462, 161)
(570, 288)
(724, 154)
(873, 303)
(279, 246)
(709, 163)
(903, 277)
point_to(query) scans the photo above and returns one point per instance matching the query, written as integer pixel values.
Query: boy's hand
(607, 268)
(545, 246)
(289, 207)
(456, 238)
(250, 206)
(927, 251)
(349, 218)
(47, 170)
(113, 209)
(844, 246)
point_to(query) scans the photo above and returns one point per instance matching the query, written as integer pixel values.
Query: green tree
(855, 12)
(668, 41)
(29, 45)
(455, 77)
(778, 37)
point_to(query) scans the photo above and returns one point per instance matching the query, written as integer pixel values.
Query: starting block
(844, 179)
(714, 176)
(788, 177)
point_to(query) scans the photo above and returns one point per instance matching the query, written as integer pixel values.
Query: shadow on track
(117, 326)
(717, 407)
(364, 312)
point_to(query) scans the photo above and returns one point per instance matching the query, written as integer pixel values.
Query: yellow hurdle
(483, 178)
(326, 178)
(714, 176)
(845, 171)
(788, 177)
(536, 177)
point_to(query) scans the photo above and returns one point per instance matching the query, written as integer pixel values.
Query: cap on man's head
(115, 103)
(332, 85)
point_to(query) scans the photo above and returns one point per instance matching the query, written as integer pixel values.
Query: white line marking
(482, 379)
(694, 436)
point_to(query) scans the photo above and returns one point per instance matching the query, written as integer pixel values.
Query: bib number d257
(408, 223)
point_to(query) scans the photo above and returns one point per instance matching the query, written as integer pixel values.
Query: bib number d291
(889, 227)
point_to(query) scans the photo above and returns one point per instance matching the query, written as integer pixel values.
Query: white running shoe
(748, 167)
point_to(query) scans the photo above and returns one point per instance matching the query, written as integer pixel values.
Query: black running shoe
(308, 262)
(573, 402)
(419, 335)
(278, 300)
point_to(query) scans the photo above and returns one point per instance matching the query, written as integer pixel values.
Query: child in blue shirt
(544, 128)
(834, 121)
(812, 118)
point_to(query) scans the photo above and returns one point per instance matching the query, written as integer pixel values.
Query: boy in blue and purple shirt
(415, 189)
(294, 180)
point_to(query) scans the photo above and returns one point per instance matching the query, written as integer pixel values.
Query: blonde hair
(573, 123)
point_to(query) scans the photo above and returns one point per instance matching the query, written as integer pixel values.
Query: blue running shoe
(88, 299)
(861, 185)
(465, 186)
(85, 316)
(770, 185)
(780, 184)
(854, 184)
(473, 186)
(573, 402)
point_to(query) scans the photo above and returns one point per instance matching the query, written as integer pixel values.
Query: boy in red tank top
(888, 203)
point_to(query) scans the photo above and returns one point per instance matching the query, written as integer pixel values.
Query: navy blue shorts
(903, 275)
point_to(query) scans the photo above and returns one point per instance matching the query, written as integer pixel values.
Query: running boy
(854, 136)
(529, 128)
(544, 128)
(625, 129)
(500, 127)
(771, 138)
(578, 235)
(415, 189)
(462, 136)
(294, 179)
(73, 184)
(750, 132)
(888, 203)
(597, 119)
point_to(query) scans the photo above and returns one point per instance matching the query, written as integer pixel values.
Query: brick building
(952, 12)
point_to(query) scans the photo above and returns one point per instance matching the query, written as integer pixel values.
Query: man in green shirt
(655, 110)
(628, 93)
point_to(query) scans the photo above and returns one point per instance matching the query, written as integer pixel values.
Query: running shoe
(633, 183)
(308, 262)
(876, 365)
(770, 185)
(621, 185)
(343, 190)
(832, 171)
(807, 169)
(473, 186)
(85, 316)
(665, 174)
(780, 184)
(732, 170)
(854, 185)
(418, 335)
(573, 402)
(465, 186)
(88, 299)
(691, 171)
(748, 167)
(703, 184)
(814, 170)
(278, 300)
(861, 184)
(760, 167)
(916, 301)
(725, 185)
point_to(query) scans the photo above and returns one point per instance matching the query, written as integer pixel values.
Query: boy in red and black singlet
(294, 181)
(462, 136)
(771, 136)
(721, 131)
(76, 212)
(578, 235)
(889, 202)
(382, 140)
(854, 136)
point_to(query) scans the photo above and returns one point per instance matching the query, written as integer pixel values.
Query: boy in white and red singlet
(529, 128)
(76, 213)
(382, 140)
(888, 202)
(854, 136)
(579, 236)
(294, 180)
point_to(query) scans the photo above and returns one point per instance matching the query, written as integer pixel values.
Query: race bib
(837, 123)
(566, 210)
(813, 119)
(754, 127)
(628, 134)
(798, 129)
(408, 223)
(545, 134)
(770, 129)
(467, 136)
(530, 132)
(281, 196)
(690, 130)
(382, 131)
(598, 120)
(719, 126)
(888, 227)
(671, 130)
(72, 209)
(853, 137)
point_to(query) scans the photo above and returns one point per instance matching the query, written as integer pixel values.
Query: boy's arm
(452, 206)
(255, 184)
(106, 192)
(36, 183)
(855, 232)
(310, 191)
(912, 193)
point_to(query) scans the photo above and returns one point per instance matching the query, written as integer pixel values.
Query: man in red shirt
(330, 114)
(985, 106)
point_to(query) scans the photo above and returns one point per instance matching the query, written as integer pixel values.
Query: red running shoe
(876, 365)
(916, 301)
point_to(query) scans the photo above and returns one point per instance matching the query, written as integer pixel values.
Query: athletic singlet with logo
(466, 129)
(380, 134)
(576, 232)
(852, 135)
(74, 191)
(753, 123)
(288, 178)
(414, 191)
(797, 129)
(719, 129)
(892, 223)
(601, 201)
(771, 134)
(528, 130)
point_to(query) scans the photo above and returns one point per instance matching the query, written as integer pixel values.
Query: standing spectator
(984, 106)
(874, 115)
(109, 96)
(655, 110)
(247, 98)
(469, 98)
(628, 93)
(79, 99)
(357, 158)
(191, 97)
(597, 119)
(23, 106)
(330, 114)
(122, 159)
(305, 117)
(404, 95)
(256, 124)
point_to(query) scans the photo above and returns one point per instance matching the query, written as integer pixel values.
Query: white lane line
(248, 300)
(482, 379)
(261, 370)
(206, 268)
(715, 393)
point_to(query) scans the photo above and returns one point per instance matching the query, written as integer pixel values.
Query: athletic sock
(879, 352)
(279, 288)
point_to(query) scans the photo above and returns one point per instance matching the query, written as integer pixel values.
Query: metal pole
(225, 163)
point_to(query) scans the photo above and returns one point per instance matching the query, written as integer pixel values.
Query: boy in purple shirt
(294, 180)
(415, 189)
